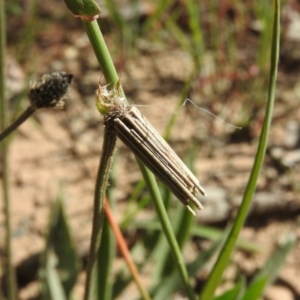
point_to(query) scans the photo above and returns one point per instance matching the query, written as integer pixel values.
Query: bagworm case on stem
(147, 144)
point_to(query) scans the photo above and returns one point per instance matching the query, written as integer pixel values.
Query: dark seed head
(49, 90)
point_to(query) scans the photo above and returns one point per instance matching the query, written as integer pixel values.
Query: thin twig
(22, 118)
(109, 142)
(125, 252)
(11, 290)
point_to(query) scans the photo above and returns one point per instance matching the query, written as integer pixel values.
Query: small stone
(216, 206)
(291, 158)
(276, 292)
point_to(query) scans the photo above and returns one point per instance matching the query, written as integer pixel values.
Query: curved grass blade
(60, 262)
(235, 292)
(269, 272)
(223, 260)
(172, 283)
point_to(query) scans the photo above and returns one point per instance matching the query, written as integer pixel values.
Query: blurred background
(215, 53)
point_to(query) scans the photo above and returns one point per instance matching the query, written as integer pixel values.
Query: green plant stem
(22, 118)
(10, 275)
(96, 38)
(166, 226)
(110, 74)
(108, 149)
(222, 262)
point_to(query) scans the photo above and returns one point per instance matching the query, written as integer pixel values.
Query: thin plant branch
(8, 265)
(125, 252)
(21, 119)
(168, 231)
(109, 142)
